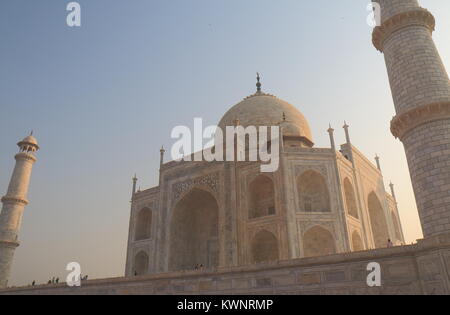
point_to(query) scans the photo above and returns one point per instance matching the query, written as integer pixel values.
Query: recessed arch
(143, 225)
(141, 262)
(350, 198)
(194, 232)
(313, 192)
(261, 197)
(318, 241)
(377, 221)
(264, 247)
(357, 243)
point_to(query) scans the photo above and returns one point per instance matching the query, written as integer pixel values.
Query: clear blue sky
(103, 98)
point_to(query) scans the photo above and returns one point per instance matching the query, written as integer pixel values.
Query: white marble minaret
(421, 92)
(14, 203)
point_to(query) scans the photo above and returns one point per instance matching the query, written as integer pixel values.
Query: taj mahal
(310, 227)
(320, 201)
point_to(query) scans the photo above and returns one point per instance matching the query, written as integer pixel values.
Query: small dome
(28, 144)
(262, 109)
(30, 140)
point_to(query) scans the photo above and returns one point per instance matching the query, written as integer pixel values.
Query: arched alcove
(350, 199)
(313, 192)
(194, 232)
(377, 221)
(357, 243)
(264, 247)
(143, 225)
(140, 264)
(318, 241)
(261, 197)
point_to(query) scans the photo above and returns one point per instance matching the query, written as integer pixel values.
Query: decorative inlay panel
(300, 169)
(211, 181)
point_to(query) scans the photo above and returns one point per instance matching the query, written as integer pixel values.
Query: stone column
(14, 203)
(421, 92)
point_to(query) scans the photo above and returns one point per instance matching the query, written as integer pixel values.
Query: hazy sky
(104, 97)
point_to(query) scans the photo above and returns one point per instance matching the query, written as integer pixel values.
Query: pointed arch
(377, 221)
(350, 199)
(313, 192)
(143, 225)
(141, 263)
(261, 197)
(264, 247)
(318, 241)
(194, 231)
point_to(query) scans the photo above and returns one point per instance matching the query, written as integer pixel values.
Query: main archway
(194, 232)
(377, 221)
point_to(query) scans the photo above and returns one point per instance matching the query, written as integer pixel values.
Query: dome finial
(258, 82)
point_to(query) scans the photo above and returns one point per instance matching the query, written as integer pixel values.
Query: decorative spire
(161, 159)
(377, 159)
(258, 83)
(134, 186)
(331, 133)
(347, 134)
(330, 129)
(393, 191)
(345, 125)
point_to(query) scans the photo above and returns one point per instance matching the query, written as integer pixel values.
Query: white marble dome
(30, 140)
(262, 109)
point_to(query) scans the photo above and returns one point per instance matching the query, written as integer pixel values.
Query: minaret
(14, 203)
(161, 156)
(421, 91)
(349, 143)
(377, 160)
(134, 179)
(161, 163)
(331, 134)
(393, 192)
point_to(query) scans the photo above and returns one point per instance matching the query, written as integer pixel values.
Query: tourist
(390, 244)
